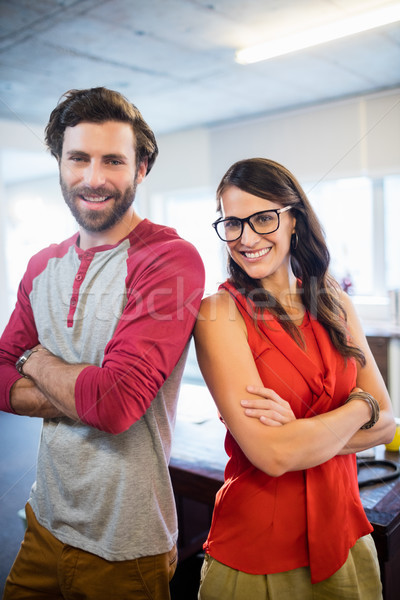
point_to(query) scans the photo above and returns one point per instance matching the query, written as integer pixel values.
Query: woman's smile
(254, 255)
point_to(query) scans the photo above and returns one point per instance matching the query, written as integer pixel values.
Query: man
(96, 346)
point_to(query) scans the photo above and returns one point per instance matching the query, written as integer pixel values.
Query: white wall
(359, 136)
(21, 136)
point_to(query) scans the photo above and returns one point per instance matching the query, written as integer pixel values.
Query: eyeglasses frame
(278, 211)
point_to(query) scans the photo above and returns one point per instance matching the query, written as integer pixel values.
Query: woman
(288, 521)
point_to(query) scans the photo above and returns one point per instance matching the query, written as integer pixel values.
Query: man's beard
(98, 220)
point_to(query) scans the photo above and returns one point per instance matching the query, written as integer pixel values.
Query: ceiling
(175, 58)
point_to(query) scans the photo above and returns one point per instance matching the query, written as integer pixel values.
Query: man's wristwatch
(22, 360)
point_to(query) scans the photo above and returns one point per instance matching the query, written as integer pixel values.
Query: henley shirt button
(73, 301)
(78, 277)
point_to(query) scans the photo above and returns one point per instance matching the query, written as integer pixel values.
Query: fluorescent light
(320, 35)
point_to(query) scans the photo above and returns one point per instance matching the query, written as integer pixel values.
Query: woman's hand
(273, 410)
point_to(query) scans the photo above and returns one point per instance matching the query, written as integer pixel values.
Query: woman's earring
(294, 241)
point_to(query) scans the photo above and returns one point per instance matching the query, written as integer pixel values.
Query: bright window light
(340, 204)
(319, 35)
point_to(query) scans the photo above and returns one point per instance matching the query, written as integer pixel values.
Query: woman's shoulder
(218, 305)
(220, 317)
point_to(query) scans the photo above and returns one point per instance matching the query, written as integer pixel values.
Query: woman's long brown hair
(309, 259)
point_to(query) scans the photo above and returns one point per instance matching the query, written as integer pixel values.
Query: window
(392, 233)
(33, 222)
(191, 214)
(344, 208)
(360, 217)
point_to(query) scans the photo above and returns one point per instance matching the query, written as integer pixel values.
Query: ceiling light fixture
(320, 35)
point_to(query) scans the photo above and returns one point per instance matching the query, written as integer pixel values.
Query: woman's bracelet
(373, 404)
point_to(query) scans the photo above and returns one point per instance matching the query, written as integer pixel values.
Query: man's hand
(55, 379)
(27, 400)
(272, 410)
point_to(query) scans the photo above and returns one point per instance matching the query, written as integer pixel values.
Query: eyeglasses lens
(229, 230)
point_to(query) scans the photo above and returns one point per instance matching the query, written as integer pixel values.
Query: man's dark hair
(97, 105)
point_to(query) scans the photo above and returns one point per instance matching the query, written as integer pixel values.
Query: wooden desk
(379, 345)
(197, 472)
(382, 506)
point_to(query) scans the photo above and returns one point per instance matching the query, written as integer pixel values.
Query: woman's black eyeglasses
(263, 222)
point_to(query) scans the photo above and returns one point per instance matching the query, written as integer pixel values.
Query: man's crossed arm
(48, 388)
